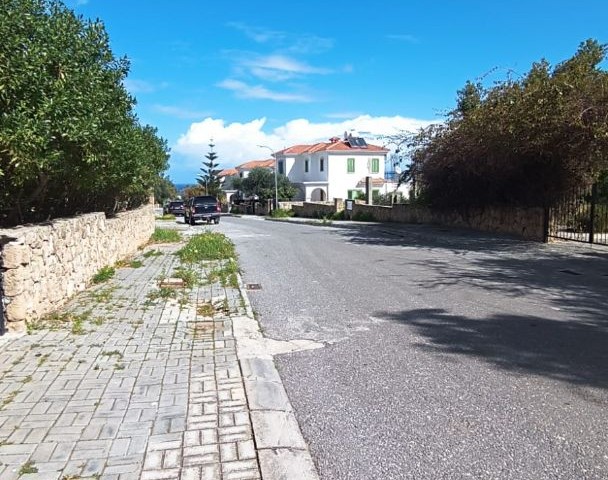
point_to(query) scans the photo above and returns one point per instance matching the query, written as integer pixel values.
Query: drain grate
(253, 286)
(570, 272)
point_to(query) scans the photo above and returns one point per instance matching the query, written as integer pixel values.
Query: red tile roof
(256, 163)
(338, 146)
(228, 172)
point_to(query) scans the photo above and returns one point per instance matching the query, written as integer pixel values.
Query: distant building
(334, 169)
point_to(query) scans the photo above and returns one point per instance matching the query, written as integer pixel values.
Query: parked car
(174, 207)
(205, 207)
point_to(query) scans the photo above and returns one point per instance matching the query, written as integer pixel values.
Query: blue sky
(282, 73)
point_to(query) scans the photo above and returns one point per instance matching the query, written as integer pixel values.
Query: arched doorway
(318, 195)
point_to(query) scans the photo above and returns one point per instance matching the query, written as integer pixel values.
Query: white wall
(340, 181)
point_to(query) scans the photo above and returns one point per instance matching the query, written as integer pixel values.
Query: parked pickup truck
(201, 208)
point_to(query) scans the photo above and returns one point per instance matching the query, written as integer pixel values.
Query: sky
(242, 73)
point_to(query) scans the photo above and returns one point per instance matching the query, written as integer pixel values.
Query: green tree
(521, 142)
(260, 182)
(69, 139)
(164, 189)
(209, 174)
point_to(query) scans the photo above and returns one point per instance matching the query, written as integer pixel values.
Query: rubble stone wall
(42, 266)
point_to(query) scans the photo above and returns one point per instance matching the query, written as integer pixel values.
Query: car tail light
(218, 208)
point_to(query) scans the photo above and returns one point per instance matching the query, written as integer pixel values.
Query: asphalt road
(447, 354)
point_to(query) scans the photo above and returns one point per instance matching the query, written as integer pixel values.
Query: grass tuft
(165, 235)
(104, 274)
(207, 246)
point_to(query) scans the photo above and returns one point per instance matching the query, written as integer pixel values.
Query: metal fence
(582, 216)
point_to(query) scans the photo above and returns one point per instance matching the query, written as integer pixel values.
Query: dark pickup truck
(205, 208)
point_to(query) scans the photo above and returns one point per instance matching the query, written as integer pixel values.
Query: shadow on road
(567, 276)
(574, 352)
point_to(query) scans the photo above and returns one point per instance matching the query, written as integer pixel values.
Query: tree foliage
(69, 139)
(260, 182)
(524, 141)
(164, 189)
(209, 178)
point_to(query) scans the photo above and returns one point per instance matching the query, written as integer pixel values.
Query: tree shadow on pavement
(566, 276)
(573, 352)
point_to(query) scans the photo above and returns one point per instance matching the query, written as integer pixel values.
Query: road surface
(446, 354)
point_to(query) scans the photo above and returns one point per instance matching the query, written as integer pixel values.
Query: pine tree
(209, 173)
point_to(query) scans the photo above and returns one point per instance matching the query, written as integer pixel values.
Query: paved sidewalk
(132, 385)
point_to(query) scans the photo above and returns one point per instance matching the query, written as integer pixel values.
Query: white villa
(334, 169)
(328, 170)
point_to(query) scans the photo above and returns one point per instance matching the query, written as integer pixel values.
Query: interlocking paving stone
(150, 391)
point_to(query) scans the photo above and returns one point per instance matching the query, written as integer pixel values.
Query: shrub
(281, 213)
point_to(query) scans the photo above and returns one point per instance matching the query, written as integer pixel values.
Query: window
(281, 169)
(350, 165)
(375, 165)
(355, 194)
(306, 165)
(321, 164)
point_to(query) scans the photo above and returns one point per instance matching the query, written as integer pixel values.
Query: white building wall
(340, 181)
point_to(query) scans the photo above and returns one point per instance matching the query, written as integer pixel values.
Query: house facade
(335, 169)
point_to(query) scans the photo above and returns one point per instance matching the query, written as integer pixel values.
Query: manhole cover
(570, 272)
(253, 286)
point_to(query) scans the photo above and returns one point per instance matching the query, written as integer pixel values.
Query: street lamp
(276, 188)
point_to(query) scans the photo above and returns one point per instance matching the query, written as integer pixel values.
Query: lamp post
(276, 187)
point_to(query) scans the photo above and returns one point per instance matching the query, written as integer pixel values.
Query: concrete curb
(282, 450)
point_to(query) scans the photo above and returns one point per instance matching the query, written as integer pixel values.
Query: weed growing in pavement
(77, 327)
(9, 398)
(205, 310)
(112, 353)
(27, 379)
(189, 276)
(103, 295)
(225, 274)
(28, 467)
(162, 292)
(43, 359)
(57, 320)
(97, 321)
(119, 366)
(207, 246)
(128, 263)
(152, 253)
(165, 235)
(104, 274)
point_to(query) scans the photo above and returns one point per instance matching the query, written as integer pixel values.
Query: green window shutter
(350, 165)
(375, 165)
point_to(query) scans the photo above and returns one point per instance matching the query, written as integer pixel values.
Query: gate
(582, 216)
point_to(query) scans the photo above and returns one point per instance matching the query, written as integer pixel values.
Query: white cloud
(236, 142)
(244, 90)
(281, 67)
(257, 34)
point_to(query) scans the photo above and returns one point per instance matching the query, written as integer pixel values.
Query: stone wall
(527, 223)
(318, 209)
(41, 266)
